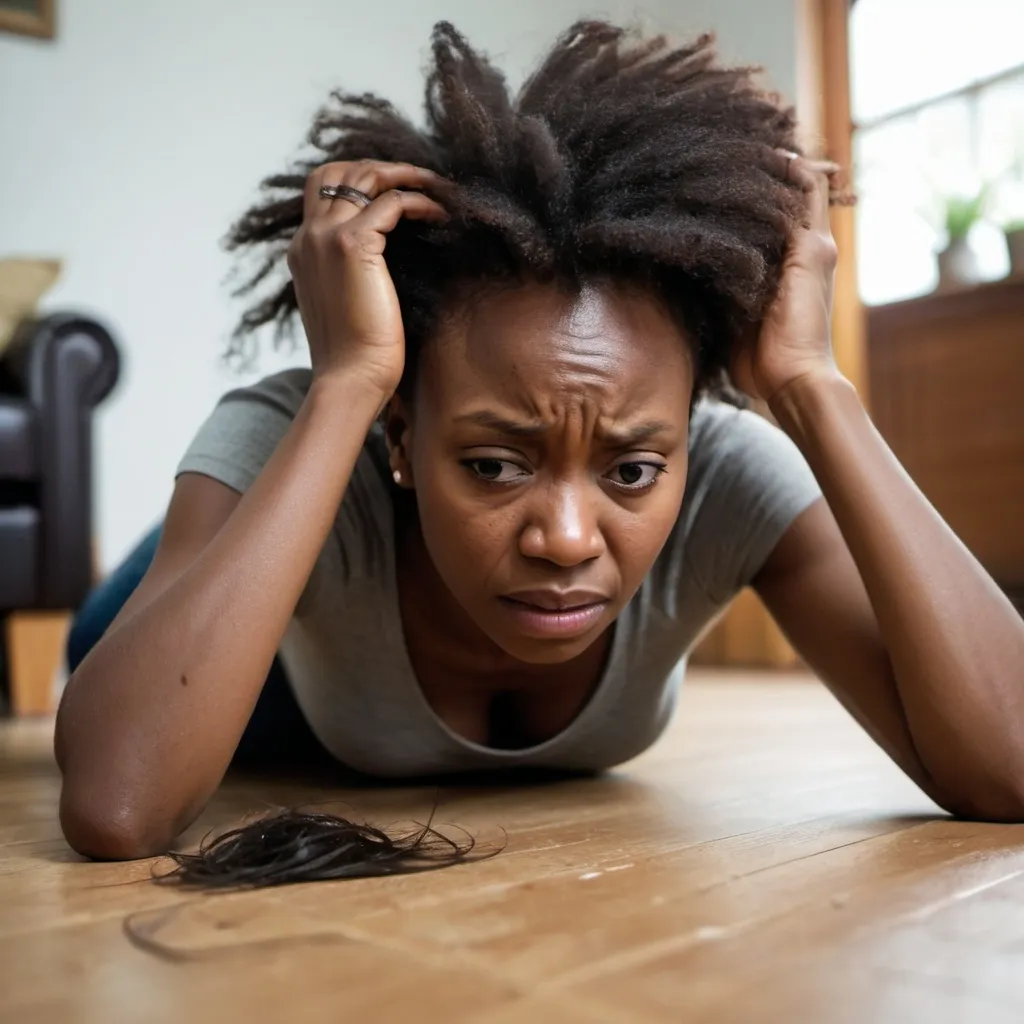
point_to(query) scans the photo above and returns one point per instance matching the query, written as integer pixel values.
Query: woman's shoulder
(246, 425)
(715, 422)
(746, 483)
(284, 391)
(726, 440)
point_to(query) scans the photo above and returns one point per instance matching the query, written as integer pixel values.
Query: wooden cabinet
(947, 392)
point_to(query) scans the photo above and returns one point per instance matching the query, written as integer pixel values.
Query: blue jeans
(277, 732)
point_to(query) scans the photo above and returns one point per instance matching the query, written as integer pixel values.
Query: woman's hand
(794, 339)
(345, 293)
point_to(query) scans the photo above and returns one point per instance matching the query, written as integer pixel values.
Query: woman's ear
(398, 434)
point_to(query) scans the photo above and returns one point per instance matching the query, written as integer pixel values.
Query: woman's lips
(564, 623)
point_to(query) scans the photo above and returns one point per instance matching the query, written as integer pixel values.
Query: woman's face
(548, 448)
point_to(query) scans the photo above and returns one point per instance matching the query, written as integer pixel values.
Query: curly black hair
(622, 158)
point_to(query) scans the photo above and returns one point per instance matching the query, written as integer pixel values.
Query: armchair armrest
(63, 366)
(89, 362)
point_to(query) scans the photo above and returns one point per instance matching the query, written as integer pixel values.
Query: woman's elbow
(108, 833)
(1001, 804)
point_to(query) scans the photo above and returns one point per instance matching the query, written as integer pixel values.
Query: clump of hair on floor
(623, 158)
(297, 846)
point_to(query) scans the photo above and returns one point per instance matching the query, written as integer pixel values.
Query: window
(938, 107)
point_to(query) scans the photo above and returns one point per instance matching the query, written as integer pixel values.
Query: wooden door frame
(823, 103)
(747, 634)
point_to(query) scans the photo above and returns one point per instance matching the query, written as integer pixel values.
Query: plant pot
(1015, 246)
(958, 265)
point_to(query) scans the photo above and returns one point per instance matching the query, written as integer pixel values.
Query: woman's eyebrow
(614, 436)
(492, 421)
(630, 437)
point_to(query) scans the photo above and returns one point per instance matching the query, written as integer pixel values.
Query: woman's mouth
(563, 623)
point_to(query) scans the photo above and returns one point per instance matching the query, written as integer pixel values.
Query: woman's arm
(885, 603)
(875, 590)
(149, 721)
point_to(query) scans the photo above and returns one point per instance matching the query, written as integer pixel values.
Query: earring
(397, 475)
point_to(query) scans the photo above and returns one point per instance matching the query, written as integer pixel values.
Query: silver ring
(345, 192)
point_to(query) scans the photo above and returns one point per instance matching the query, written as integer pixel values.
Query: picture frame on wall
(29, 17)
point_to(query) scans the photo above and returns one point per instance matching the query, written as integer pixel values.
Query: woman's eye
(495, 470)
(636, 476)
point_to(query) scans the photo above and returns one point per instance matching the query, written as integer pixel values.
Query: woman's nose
(562, 528)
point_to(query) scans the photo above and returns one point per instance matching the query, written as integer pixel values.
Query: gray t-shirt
(344, 650)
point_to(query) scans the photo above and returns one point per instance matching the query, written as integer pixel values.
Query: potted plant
(1009, 203)
(1014, 230)
(958, 264)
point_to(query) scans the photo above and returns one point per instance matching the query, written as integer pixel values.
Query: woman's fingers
(372, 178)
(384, 213)
(312, 202)
(815, 178)
(375, 177)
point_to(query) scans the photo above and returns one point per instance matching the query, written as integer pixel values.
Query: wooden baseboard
(35, 653)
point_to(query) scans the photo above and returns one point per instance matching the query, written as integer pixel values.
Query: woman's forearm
(149, 721)
(955, 642)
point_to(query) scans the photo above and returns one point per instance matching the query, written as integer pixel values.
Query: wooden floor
(763, 863)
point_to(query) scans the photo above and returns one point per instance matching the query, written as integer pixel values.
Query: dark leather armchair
(52, 376)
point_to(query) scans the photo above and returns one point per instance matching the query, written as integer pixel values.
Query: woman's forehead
(540, 337)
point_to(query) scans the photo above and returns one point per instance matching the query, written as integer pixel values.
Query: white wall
(129, 144)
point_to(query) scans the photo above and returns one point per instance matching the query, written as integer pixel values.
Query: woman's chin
(540, 653)
(546, 650)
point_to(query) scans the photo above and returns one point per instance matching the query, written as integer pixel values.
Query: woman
(539, 299)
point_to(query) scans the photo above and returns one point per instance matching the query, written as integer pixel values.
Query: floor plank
(763, 862)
